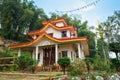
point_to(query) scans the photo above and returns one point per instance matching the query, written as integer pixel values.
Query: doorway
(48, 56)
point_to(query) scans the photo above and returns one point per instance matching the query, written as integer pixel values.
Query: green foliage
(115, 64)
(19, 17)
(64, 62)
(100, 64)
(115, 47)
(89, 63)
(111, 31)
(33, 67)
(4, 54)
(24, 62)
(77, 68)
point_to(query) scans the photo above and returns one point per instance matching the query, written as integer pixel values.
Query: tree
(115, 47)
(64, 62)
(111, 29)
(18, 17)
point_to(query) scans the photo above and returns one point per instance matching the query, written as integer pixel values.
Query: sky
(100, 11)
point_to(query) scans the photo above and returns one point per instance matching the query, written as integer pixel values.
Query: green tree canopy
(18, 17)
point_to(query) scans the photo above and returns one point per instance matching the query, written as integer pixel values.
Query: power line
(80, 8)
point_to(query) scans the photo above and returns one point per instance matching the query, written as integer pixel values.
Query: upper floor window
(72, 34)
(60, 24)
(51, 34)
(64, 33)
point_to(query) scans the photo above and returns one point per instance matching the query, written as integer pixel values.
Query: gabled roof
(53, 26)
(55, 21)
(61, 40)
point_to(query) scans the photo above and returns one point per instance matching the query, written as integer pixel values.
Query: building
(55, 40)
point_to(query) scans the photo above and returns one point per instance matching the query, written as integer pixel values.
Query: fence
(10, 63)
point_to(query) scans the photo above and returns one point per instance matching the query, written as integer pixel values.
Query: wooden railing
(8, 64)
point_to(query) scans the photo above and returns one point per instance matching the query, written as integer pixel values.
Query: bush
(24, 62)
(115, 64)
(100, 64)
(76, 68)
(64, 62)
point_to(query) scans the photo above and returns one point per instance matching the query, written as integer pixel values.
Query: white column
(56, 53)
(41, 58)
(79, 51)
(19, 52)
(36, 55)
(82, 51)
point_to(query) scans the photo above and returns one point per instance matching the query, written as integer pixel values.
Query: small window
(72, 55)
(72, 34)
(64, 53)
(38, 56)
(64, 33)
(51, 34)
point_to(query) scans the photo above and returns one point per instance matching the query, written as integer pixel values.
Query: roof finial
(56, 17)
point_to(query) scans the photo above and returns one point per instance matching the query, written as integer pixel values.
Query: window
(38, 56)
(72, 55)
(51, 34)
(72, 34)
(64, 33)
(64, 53)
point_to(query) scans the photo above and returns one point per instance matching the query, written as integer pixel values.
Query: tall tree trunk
(116, 56)
(64, 70)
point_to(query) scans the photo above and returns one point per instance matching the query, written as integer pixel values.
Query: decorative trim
(51, 25)
(62, 40)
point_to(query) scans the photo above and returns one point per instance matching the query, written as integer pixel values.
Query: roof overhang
(50, 25)
(62, 40)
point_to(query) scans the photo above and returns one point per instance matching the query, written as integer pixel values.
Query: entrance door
(49, 56)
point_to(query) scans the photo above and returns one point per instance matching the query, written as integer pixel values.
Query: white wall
(60, 24)
(56, 33)
(69, 48)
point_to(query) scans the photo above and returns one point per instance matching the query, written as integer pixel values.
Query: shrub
(76, 68)
(64, 62)
(115, 64)
(24, 62)
(100, 64)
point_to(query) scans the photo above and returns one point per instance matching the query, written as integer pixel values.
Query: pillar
(56, 53)
(19, 52)
(79, 51)
(36, 53)
(41, 58)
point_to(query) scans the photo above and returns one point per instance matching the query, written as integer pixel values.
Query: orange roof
(62, 40)
(55, 21)
(51, 25)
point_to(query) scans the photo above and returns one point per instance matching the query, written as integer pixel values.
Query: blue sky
(92, 14)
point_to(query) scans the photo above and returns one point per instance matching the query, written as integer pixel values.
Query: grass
(0, 75)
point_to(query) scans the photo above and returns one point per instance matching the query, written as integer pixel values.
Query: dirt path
(27, 76)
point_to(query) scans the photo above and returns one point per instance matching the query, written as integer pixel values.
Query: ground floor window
(38, 56)
(64, 53)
